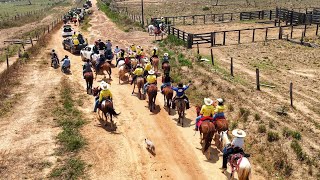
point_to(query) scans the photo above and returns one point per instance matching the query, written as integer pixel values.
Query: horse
(166, 67)
(122, 72)
(134, 62)
(181, 108)
(167, 97)
(139, 82)
(88, 76)
(244, 169)
(152, 95)
(106, 108)
(207, 131)
(155, 63)
(159, 32)
(104, 67)
(151, 29)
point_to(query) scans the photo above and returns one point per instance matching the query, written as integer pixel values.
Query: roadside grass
(122, 21)
(70, 119)
(12, 50)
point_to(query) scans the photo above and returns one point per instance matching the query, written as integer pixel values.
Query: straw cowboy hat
(166, 54)
(220, 100)
(151, 72)
(207, 101)
(104, 85)
(239, 133)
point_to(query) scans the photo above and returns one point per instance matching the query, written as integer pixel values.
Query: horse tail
(244, 169)
(111, 111)
(208, 139)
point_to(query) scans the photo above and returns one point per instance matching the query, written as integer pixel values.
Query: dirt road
(112, 155)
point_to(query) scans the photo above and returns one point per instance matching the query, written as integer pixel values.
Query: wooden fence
(264, 14)
(233, 37)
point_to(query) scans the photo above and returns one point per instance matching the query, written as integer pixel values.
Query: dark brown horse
(167, 97)
(139, 82)
(166, 67)
(104, 67)
(106, 108)
(207, 130)
(152, 95)
(88, 76)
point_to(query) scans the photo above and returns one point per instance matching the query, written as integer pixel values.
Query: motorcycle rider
(54, 57)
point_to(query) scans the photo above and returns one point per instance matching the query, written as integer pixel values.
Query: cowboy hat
(104, 86)
(151, 72)
(220, 100)
(166, 54)
(146, 60)
(239, 133)
(207, 101)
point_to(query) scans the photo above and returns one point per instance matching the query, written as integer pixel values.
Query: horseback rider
(109, 45)
(139, 53)
(147, 66)
(100, 61)
(86, 67)
(137, 72)
(105, 94)
(116, 50)
(166, 81)
(154, 54)
(207, 110)
(54, 57)
(165, 58)
(96, 47)
(180, 94)
(151, 79)
(66, 62)
(219, 110)
(235, 147)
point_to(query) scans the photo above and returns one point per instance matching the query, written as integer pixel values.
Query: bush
(271, 124)
(298, 150)
(206, 8)
(273, 136)
(257, 117)
(286, 132)
(262, 128)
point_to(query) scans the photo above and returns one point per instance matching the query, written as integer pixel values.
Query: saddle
(235, 159)
(203, 119)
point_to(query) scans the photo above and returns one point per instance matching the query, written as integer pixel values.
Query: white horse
(244, 170)
(152, 28)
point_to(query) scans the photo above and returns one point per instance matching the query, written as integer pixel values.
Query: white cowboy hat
(239, 133)
(220, 100)
(151, 72)
(207, 101)
(146, 60)
(138, 47)
(166, 54)
(104, 85)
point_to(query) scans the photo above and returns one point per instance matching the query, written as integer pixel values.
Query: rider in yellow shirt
(137, 72)
(151, 79)
(219, 110)
(207, 110)
(133, 48)
(147, 67)
(105, 93)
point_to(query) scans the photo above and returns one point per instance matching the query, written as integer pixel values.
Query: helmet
(66, 56)
(180, 85)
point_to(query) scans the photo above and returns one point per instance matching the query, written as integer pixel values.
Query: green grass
(122, 21)
(183, 61)
(12, 51)
(173, 40)
(70, 119)
(298, 150)
(272, 136)
(286, 132)
(262, 128)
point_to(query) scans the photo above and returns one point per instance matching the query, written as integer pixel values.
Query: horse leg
(182, 117)
(134, 86)
(111, 121)
(105, 115)
(168, 105)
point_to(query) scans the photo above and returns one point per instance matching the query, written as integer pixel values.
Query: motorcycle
(55, 63)
(65, 69)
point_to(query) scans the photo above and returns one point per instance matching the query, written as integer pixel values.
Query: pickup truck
(74, 46)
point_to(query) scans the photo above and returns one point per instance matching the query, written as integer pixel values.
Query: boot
(187, 105)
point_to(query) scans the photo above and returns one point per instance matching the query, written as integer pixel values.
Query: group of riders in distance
(133, 60)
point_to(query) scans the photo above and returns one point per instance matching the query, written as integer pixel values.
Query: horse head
(224, 139)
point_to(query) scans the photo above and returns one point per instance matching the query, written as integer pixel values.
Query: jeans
(226, 154)
(197, 120)
(145, 88)
(218, 115)
(165, 85)
(96, 104)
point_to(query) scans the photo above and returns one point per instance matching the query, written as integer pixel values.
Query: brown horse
(181, 108)
(167, 97)
(122, 72)
(155, 63)
(88, 76)
(106, 108)
(207, 130)
(166, 68)
(139, 82)
(104, 67)
(152, 95)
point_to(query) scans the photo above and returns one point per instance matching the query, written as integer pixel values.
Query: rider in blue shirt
(66, 62)
(180, 94)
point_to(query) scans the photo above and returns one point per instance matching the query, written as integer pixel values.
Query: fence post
(211, 39)
(192, 19)
(280, 32)
(257, 79)
(250, 16)
(253, 31)
(291, 33)
(305, 30)
(190, 41)
(214, 38)
(317, 29)
(266, 37)
(291, 96)
(241, 16)
(169, 30)
(239, 36)
(183, 34)
(301, 40)
(224, 38)
(31, 41)
(178, 33)
(231, 67)
(231, 18)
(270, 17)
(212, 58)
(198, 50)
(7, 56)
